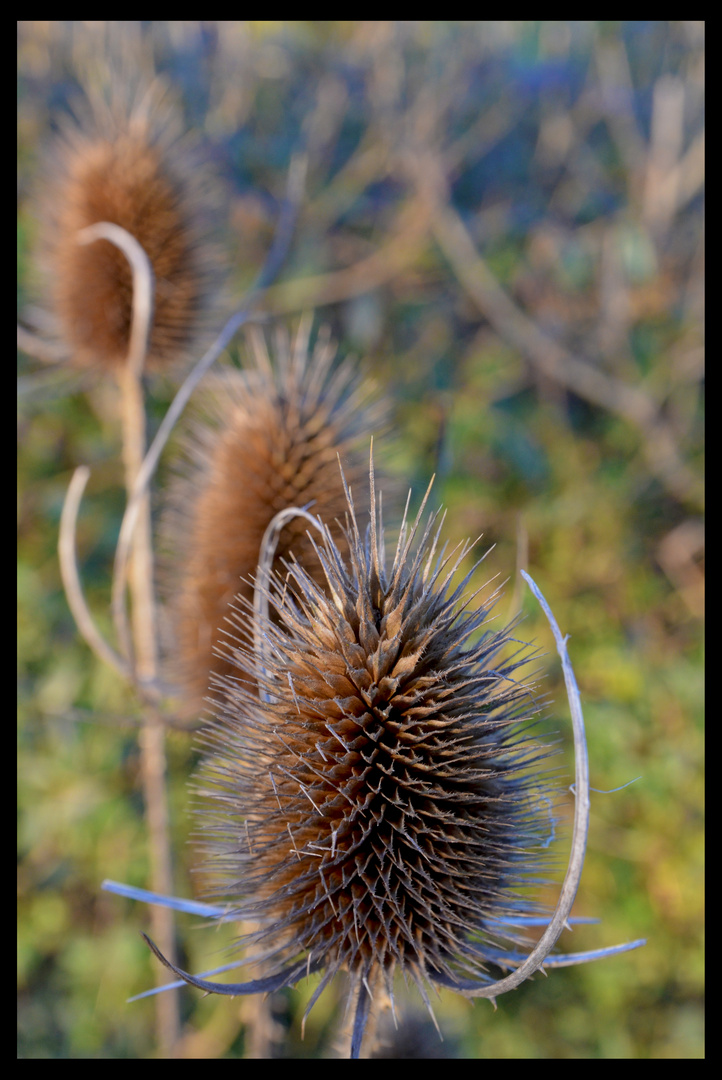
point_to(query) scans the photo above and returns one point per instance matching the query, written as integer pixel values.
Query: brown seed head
(126, 164)
(273, 442)
(375, 806)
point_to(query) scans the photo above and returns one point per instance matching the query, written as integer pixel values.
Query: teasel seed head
(372, 796)
(125, 161)
(269, 438)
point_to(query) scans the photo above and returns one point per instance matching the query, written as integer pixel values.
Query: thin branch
(133, 415)
(266, 985)
(560, 919)
(150, 463)
(570, 959)
(72, 585)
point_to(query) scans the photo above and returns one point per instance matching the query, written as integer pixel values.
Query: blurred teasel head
(124, 161)
(373, 796)
(269, 438)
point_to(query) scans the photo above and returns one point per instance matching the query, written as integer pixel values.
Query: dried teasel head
(372, 796)
(271, 438)
(125, 162)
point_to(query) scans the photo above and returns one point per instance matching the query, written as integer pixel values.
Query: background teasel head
(371, 796)
(124, 161)
(271, 439)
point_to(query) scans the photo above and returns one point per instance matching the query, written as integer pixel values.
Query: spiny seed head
(371, 795)
(270, 439)
(124, 162)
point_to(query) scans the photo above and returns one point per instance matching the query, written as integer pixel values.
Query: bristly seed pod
(125, 163)
(271, 440)
(371, 795)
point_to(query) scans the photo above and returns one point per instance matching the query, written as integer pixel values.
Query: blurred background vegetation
(505, 219)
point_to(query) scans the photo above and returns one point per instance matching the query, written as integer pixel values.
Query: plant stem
(145, 665)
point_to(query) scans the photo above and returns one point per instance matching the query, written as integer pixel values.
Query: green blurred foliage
(552, 138)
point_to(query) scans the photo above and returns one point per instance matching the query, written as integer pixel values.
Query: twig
(67, 553)
(133, 416)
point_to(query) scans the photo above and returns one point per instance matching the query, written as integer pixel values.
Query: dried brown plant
(123, 162)
(270, 439)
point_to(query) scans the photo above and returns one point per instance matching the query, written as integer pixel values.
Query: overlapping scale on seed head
(375, 806)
